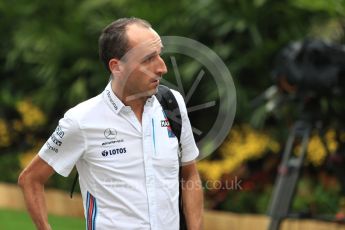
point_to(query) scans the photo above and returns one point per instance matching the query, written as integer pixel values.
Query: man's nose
(161, 67)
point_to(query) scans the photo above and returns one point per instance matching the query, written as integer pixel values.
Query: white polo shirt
(128, 172)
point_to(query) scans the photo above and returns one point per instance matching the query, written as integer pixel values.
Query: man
(126, 155)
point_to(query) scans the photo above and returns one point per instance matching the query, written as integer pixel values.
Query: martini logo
(165, 123)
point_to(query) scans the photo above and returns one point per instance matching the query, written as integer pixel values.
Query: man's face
(142, 66)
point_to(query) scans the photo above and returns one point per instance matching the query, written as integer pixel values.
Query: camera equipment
(311, 66)
(306, 72)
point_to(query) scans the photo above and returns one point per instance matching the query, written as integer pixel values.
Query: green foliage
(49, 55)
(240, 202)
(50, 49)
(311, 198)
(13, 220)
(315, 198)
(9, 168)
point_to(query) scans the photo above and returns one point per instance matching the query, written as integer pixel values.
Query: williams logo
(59, 131)
(55, 140)
(114, 152)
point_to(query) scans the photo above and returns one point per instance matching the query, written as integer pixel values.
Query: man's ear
(114, 66)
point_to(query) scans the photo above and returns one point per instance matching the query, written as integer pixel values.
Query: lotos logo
(105, 153)
(114, 151)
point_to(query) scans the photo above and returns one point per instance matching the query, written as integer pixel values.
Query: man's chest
(122, 141)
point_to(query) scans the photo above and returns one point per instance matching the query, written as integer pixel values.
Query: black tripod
(290, 167)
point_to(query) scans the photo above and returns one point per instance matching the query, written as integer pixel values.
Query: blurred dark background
(49, 63)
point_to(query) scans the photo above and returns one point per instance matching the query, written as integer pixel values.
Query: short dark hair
(113, 42)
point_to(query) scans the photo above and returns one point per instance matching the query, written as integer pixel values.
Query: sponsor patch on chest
(111, 152)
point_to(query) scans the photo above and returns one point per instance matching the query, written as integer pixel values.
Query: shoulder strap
(170, 106)
(75, 180)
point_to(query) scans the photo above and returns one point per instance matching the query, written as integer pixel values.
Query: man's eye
(148, 59)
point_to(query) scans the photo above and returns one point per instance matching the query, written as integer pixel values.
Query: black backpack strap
(170, 106)
(73, 184)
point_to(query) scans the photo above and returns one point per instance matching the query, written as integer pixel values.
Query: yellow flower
(5, 139)
(316, 151)
(32, 116)
(242, 144)
(17, 125)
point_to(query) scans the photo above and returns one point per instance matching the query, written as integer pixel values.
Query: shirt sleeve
(64, 147)
(188, 146)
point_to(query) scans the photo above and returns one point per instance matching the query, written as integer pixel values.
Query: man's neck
(128, 99)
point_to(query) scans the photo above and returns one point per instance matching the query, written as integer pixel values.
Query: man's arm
(31, 181)
(192, 195)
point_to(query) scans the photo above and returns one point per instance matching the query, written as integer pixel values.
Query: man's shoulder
(177, 94)
(172, 95)
(85, 108)
(179, 98)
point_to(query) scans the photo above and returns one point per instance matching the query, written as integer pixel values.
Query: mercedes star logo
(110, 133)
